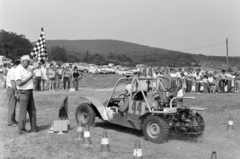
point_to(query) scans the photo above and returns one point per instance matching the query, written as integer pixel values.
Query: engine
(186, 120)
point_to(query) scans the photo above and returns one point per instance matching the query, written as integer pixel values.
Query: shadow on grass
(185, 138)
(44, 127)
(172, 135)
(119, 128)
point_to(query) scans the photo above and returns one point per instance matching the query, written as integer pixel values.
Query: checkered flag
(40, 51)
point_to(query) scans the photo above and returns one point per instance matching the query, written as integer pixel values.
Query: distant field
(43, 145)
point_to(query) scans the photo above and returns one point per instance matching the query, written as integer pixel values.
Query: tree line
(13, 46)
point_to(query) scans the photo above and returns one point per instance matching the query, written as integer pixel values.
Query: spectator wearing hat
(24, 81)
(11, 90)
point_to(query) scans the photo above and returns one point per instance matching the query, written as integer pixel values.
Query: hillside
(134, 53)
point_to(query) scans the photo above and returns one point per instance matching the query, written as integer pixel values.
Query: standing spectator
(205, 83)
(71, 72)
(210, 81)
(44, 78)
(59, 74)
(184, 85)
(76, 77)
(5, 71)
(66, 78)
(173, 73)
(198, 77)
(52, 77)
(222, 78)
(189, 80)
(11, 90)
(38, 78)
(229, 79)
(25, 86)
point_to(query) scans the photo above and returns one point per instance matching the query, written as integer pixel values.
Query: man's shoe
(23, 131)
(34, 130)
(15, 122)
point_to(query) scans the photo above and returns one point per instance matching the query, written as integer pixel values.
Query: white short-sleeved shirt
(210, 79)
(21, 74)
(38, 72)
(44, 73)
(10, 77)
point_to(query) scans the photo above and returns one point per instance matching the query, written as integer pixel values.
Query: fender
(100, 107)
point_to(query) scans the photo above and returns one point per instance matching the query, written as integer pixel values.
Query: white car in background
(109, 69)
(124, 71)
(93, 69)
(102, 70)
(83, 67)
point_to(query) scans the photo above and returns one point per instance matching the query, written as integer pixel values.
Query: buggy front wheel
(155, 129)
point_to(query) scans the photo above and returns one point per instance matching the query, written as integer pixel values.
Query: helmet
(128, 89)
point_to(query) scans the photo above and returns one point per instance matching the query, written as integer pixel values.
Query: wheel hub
(153, 130)
(83, 116)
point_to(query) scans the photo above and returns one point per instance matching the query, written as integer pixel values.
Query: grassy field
(44, 145)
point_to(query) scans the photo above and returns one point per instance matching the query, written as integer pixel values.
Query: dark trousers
(198, 86)
(189, 85)
(229, 86)
(222, 86)
(59, 82)
(76, 81)
(12, 101)
(38, 83)
(66, 82)
(26, 104)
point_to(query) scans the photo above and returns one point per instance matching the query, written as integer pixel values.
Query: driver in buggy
(173, 88)
(124, 103)
(136, 95)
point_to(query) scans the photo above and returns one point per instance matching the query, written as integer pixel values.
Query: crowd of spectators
(197, 80)
(54, 77)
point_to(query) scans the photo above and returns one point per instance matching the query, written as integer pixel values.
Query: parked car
(134, 70)
(124, 71)
(109, 69)
(102, 70)
(93, 69)
(83, 67)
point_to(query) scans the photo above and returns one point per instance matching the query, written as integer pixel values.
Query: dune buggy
(152, 105)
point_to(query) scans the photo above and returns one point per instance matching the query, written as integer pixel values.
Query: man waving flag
(40, 51)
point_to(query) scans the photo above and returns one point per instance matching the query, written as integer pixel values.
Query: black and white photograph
(119, 79)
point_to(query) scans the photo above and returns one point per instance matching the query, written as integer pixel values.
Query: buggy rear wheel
(85, 114)
(155, 129)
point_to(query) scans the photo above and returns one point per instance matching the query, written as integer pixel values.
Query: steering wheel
(123, 97)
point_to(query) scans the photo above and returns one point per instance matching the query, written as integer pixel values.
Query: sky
(192, 26)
